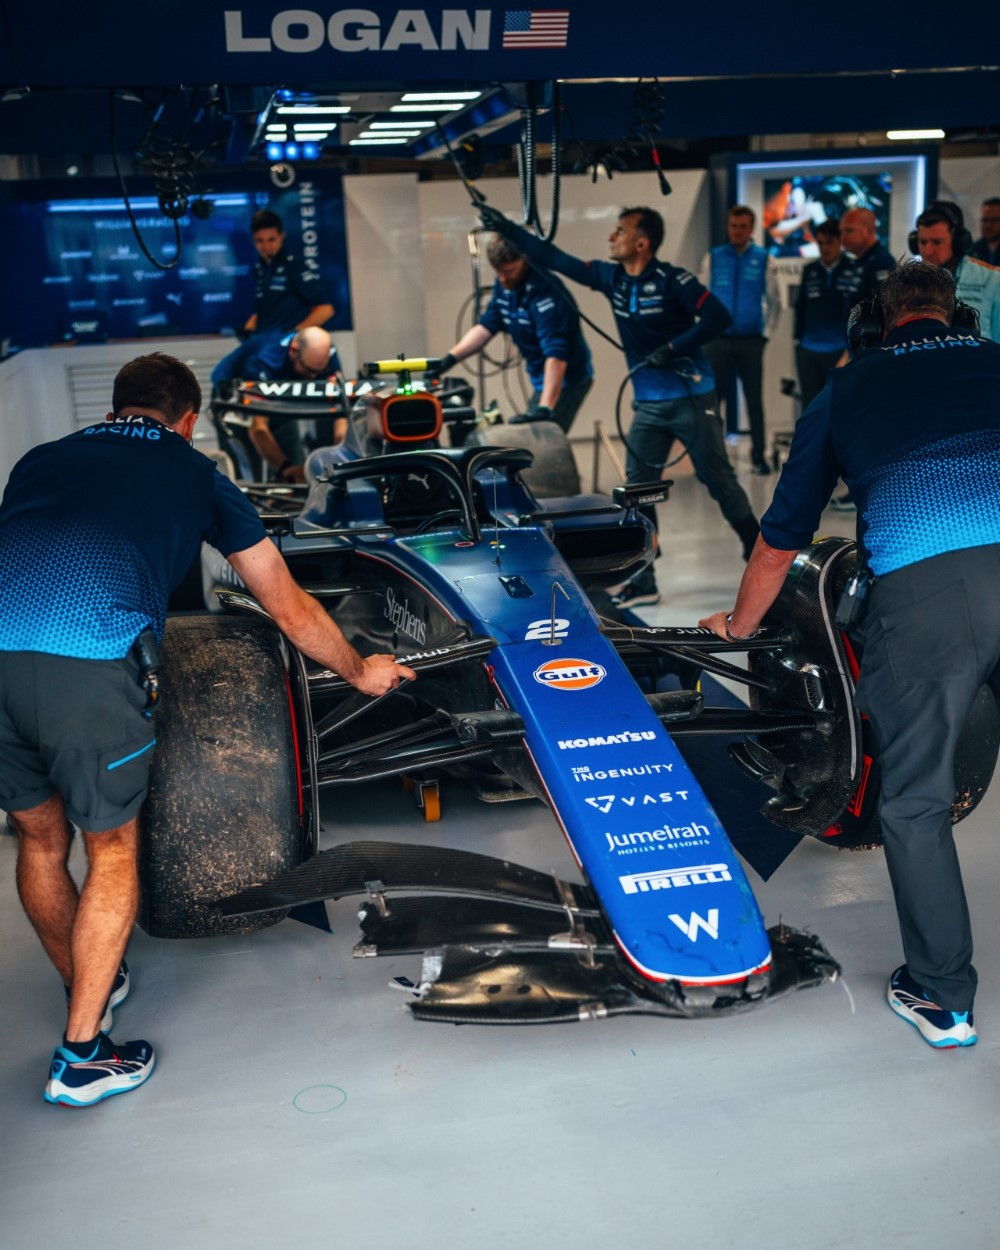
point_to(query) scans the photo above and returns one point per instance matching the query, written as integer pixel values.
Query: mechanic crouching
(96, 529)
(913, 426)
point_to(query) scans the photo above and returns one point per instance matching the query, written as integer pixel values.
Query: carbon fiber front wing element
(506, 944)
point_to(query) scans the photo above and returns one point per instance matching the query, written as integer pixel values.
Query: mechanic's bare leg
(47, 892)
(109, 904)
(84, 935)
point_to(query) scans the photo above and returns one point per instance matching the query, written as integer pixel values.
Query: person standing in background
(825, 297)
(741, 275)
(987, 247)
(287, 292)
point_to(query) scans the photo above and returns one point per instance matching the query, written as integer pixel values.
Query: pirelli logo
(674, 878)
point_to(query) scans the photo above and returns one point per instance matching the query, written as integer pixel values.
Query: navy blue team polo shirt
(97, 528)
(663, 304)
(913, 427)
(542, 320)
(285, 290)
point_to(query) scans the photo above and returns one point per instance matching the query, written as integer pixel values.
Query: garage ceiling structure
(745, 76)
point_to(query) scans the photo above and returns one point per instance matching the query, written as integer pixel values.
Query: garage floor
(296, 1102)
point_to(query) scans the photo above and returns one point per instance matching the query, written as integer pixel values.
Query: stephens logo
(403, 620)
(569, 674)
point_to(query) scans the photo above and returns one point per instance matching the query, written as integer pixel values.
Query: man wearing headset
(913, 427)
(942, 239)
(664, 317)
(542, 320)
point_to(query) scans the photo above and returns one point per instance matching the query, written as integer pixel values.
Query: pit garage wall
(410, 274)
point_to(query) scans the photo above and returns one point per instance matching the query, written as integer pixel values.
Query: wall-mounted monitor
(792, 192)
(77, 270)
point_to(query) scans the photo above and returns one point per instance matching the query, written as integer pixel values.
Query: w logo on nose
(691, 926)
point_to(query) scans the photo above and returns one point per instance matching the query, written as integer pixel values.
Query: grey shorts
(75, 727)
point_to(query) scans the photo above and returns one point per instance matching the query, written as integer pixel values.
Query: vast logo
(604, 802)
(403, 620)
(360, 30)
(569, 674)
(674, 878)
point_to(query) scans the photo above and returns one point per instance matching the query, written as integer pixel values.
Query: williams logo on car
(569, 674)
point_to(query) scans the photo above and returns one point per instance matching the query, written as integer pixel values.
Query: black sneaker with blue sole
(942, 1029)
(112, 1068)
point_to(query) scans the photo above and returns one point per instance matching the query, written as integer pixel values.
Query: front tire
(224, 806)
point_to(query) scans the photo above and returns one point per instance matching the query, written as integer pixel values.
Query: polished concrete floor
(296, 1102)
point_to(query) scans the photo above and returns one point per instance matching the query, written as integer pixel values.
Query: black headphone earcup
(865, 325)
(962, 241)
(911, 243)
(965, 318)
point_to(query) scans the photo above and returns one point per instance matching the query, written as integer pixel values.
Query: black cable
(128, 206)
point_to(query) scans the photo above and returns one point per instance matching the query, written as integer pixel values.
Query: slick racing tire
(553, 472)
(223, 810)
(828, 783)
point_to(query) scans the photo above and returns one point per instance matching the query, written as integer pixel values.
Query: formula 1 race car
(446, 558)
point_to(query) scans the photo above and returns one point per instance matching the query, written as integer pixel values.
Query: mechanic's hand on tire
(382, 673)
(291, 473)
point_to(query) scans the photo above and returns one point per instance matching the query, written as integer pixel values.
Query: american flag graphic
(535, 28)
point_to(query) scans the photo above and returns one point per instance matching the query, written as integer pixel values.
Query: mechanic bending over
(308, 353)
(664, 317)
(913, 426)
(541, 318)
(95, 531)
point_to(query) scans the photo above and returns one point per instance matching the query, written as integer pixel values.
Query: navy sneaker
(111, 1069)
(633, 596)
(119, 992)
(940, 1028)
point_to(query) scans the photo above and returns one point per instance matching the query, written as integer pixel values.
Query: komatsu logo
(674, 878)
(575, 744)
(361, 30)
(569, 674)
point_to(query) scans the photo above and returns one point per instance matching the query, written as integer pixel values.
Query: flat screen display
(795, 205)
(76, 270)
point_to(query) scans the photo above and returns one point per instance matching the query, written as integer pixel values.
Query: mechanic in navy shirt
(826, 296)
(742, 275)
(287, 292)
(541, 318)
(664, 317)
(96, 529)
(304, 354)
(913, 426)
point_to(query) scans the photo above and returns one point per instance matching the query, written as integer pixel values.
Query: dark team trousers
(695, 421)
(931, 640)
(813, 369)
(741, 356)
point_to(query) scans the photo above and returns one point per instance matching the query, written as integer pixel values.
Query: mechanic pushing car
(95, 531)
(913, 427)
(664, 316)
(542, 320)
(308, 353)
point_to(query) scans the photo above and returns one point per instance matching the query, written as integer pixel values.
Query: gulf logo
(569, 674)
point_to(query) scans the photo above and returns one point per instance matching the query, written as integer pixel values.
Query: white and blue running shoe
(113, 1068)
(119, 992)
(938, 1027)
